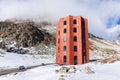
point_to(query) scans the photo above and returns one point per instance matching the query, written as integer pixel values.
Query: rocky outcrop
(25, 34)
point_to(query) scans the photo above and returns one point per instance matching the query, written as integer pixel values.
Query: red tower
(72, 41)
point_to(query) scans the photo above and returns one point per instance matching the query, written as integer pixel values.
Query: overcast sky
(103, 15)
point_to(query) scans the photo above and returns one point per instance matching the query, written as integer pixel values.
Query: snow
(102, 72)
(109, 71)
(11, 60)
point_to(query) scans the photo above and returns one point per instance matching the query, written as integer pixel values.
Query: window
(74, 29)
(83, 23)
(64, 48)
(65, 31)
(58, 40)
(83, 49)
(83, 31)
(75, 48)
(58, 32)
(64, 39)
(75, 60)
(83, 40)
(65, 22)
(75, 38)
(74, 22)
(84, 59)
(65, 59)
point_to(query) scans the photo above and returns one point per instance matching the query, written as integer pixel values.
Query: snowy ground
(102, 72)
(10, 60)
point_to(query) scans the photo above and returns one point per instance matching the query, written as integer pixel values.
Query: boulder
(63, 70)
(88, 70)
(72, 70)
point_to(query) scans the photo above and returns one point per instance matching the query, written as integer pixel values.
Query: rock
(63, 70)
(25, 34)
(2, 45)
(17, 50)
(88, 70)
(72, 70)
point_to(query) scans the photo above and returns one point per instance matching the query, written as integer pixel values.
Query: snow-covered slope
(100, 48)
(101, 72)
(11, 60)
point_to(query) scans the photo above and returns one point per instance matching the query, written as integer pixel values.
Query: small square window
(83, 31)
(75, 38)
(65, 30)
(64, 39)
(83, 49)
(75, 48)
(74, 29)
(83, 23)
(65, 59)
(83, 40)
(75, 60)
(74, 22)
(65, 22)
(64, 48)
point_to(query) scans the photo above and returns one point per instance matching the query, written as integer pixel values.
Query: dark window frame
(83, 23)
(74, 21)
(75, 38)
(65, 22)
(64, 59)
(75, 48)
(65, 30)
(64, 39)
(74, 29)
(75, 60)
(64, 48)
(83, 40)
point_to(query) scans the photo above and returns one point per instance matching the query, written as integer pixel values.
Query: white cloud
(114, 32)
(97, 11)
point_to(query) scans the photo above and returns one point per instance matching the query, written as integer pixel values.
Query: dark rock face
(2, 45)
(25, 34)
(93, 36)
(15, 50)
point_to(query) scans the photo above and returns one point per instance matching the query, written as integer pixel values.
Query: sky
(103, 15)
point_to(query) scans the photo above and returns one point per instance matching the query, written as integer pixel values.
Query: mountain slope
(100, 48)
(39, 38)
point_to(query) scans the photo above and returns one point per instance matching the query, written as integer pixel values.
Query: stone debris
(64, 70)
(72, 70)
(88, 70)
